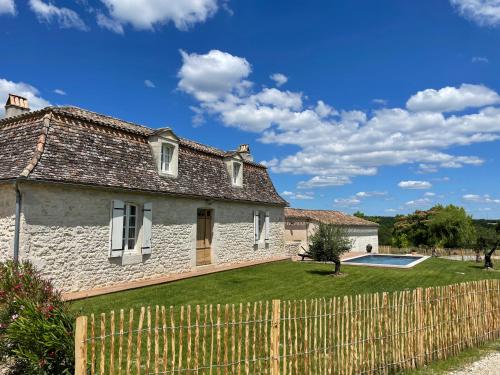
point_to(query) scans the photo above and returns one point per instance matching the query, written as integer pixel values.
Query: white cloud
(23, 89)
(298, 196)
(336, 146)
(324, 110)
(60, 92)
(369, 194)
(150, 84)
(347, 202)
(415, 185)
(421, 202)
(474, 198)
(7, 7)
(429, 194)
(65, 18)
(480, 59)
(279, 79)
(452, 99)
(380, 101)
(483, 12)
(109, 23)
(212, 76)
(147, 14)
(318, 181)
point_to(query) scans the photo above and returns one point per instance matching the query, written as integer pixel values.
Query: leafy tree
(328, 243)
(359, 214)
(439, 226)
(400, 241)
(415, 227)
(450, 227)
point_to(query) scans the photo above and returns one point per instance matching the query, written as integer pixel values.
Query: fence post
(275, 337)
(81, 346)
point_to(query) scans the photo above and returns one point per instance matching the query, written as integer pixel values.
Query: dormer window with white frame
(165, 148)
(237, 177)
(167, 153)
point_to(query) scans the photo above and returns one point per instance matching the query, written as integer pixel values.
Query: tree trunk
(487, 257)
(478, 256)
(337, 268)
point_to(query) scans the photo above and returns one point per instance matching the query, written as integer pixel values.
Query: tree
(440, 226)
(328, 243)
(450, 227)
(488, 242)
(359, 214)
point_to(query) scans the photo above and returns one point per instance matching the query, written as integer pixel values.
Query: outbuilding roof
(77, 146)
(326, 216)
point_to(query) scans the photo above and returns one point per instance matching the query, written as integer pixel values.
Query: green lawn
(287, 281)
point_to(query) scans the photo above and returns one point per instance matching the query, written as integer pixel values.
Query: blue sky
(381, 106)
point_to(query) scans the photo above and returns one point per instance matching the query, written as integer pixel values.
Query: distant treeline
(386, 226)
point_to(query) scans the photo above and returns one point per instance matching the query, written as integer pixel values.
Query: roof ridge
(39, 148)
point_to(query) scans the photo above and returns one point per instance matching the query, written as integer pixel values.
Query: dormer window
(165, 148)
(167, 153)
(237, 175)
(236, 172)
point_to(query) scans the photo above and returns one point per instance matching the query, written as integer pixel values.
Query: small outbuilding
(301, 224)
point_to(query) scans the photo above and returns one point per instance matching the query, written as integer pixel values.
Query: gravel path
(488, 365)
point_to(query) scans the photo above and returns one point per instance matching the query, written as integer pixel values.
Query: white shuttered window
(126, 225)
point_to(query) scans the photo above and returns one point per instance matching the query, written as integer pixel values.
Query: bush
(36, 326)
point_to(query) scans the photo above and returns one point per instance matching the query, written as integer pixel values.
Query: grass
(287, 281)
(459, 361)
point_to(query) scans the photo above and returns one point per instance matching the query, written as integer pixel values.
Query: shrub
(36, 326)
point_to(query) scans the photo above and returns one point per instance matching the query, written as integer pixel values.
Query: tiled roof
(326, 216)
(84, 147)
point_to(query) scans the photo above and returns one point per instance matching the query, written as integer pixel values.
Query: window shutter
(117, 213)
(267, 227)
(256, 226)
(147, 225)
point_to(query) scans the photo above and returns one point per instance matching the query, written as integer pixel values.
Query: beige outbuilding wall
(7, 220)
(66, 233)
(360, 236)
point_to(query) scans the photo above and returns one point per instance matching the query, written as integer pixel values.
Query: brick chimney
(244, 151)
(16, 105)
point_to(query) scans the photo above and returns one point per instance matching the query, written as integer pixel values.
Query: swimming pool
(382, 260)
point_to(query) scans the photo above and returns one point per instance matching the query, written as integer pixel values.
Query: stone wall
(7, 220)
(360, 236)
(66, 233)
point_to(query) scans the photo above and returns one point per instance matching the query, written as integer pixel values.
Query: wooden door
(204, 237)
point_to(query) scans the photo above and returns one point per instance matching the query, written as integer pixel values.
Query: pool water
(386, 260)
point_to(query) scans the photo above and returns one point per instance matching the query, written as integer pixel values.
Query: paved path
(488, 365)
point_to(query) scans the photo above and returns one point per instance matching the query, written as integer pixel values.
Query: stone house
(96, 201)
(301, 224)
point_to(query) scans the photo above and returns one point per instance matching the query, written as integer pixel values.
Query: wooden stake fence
(364, 334)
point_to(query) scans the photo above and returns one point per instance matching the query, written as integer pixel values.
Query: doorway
(204, 227)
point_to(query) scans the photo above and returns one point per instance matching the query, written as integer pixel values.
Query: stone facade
(360, 236)
(7, 220)
(65, 231)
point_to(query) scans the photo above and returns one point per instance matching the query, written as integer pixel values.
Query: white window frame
(261, 227)
(237, 178)
(126, 228)
(166, 157)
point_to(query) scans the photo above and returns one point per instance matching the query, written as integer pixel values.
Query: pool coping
(412, 264)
